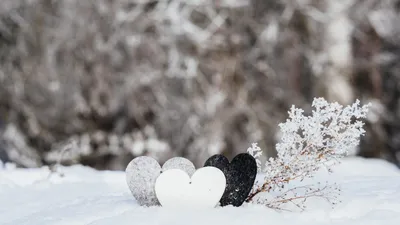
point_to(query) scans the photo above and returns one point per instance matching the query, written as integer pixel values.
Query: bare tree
(123, 78)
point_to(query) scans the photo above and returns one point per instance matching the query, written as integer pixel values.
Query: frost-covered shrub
(309, 143)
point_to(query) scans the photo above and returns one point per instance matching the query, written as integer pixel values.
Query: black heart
(240, 175)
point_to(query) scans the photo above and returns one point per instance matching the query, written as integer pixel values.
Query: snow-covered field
(371, 195)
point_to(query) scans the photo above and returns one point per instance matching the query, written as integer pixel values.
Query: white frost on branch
(256, 152)
(309, 143)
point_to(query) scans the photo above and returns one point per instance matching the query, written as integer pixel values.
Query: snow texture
(83, 196)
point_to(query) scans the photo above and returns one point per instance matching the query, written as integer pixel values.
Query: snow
(370, 195)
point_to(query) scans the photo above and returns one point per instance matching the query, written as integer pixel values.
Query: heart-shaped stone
(175, 189)
(142, 173)
(240, 175)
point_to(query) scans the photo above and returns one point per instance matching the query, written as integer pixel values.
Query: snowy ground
(371, 195)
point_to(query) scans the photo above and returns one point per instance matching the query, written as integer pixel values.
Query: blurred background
(100, 82)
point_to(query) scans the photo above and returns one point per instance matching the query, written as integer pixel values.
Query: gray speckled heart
(240, 175)
(142, 173)
(179, 163)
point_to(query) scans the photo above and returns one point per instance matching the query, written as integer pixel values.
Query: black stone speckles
(240, 175)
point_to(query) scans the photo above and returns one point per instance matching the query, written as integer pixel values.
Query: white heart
(175, 189)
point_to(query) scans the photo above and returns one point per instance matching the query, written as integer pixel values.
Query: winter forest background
(99, 82)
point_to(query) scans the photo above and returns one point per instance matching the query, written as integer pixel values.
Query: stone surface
(175, 188)
(142, 173)
(240, 175)
(180, 163)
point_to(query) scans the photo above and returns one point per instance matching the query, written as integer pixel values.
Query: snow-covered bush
(309, 143)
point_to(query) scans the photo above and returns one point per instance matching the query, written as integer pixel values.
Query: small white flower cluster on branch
(309, 143)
